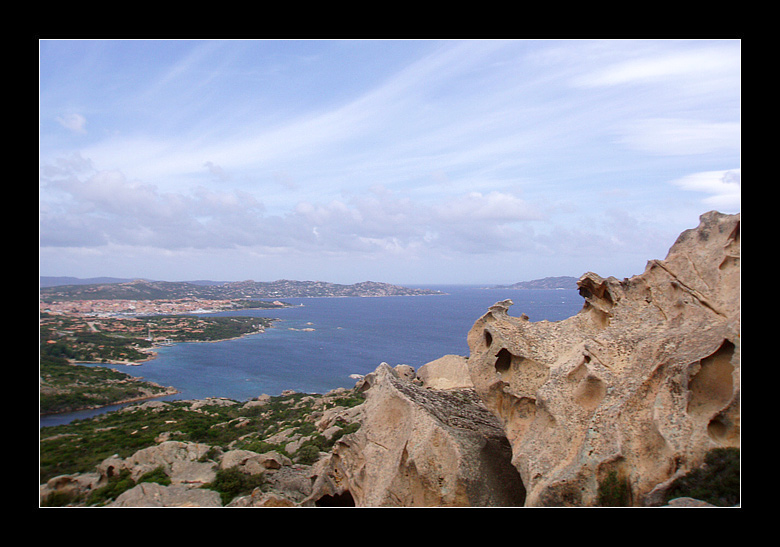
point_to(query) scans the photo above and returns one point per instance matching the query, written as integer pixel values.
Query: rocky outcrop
(181, 461)
(419, 447)
(639, 385)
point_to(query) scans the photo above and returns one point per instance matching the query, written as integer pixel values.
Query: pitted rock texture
(641, 383)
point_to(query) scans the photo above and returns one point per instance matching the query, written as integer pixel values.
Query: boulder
(75, 485)
(448, 372)
(179, 460)
(419, 447)
(687, 502)
(262, 499)
(150, 494)
(639, 385)
(292, 483)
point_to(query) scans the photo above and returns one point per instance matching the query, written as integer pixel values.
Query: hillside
(559, 282)
(157, 290)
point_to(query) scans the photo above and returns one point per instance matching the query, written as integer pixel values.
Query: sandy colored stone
(418, 447)
(149, 494)
(447, 372)
(642, 382)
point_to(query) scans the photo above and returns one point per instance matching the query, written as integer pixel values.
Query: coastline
(168, 390)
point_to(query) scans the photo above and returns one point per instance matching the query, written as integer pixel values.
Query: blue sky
(405, 161)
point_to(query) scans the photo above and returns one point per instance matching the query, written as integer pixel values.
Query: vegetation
(116, 485)
(232, 482)
(65, 387)
(80, 446)
(716, 482)
(614, 491)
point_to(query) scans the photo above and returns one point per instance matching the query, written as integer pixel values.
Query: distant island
(141, 289)
(560, 282)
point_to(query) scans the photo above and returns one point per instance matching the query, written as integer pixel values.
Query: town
(126, 331)
(113, 308)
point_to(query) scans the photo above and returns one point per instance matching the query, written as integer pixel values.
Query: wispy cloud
(654, 63)
(722, 189)
(419, 151)
(73, 122)
(680, 137)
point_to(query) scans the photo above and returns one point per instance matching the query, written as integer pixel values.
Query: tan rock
(448, 372)
(419, 447)
(641, 383)
(76, 485)
(261, 499)
(179, 460)
(252, 462)
(149, 494)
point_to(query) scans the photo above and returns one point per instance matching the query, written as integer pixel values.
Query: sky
(401, 161)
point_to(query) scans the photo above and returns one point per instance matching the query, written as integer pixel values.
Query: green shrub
(353, 399)
(157, 475)
(261, 447)
(308, 454)
(58, 499)
(614, 491)
(116, 485)
(716, 482)
(232, 482)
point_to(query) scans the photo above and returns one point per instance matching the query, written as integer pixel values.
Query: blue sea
(316, 345)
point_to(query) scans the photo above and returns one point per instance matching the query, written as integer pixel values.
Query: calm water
(349, 336)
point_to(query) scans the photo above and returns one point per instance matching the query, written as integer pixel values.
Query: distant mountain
(57, 281)
(560, 282)
(53, 281)
(140, 289)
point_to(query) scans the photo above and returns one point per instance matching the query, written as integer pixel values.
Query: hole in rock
(503, 360)
(711, 387)
(336, 500)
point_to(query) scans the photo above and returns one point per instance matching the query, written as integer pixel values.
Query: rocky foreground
(613, 406)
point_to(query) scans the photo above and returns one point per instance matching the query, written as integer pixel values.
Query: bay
(318, 343)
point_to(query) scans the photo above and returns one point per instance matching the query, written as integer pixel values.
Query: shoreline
(169, 390)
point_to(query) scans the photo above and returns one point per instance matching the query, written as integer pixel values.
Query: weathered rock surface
(150, 494)
(641, 383)
(448, 372)
(419, 447)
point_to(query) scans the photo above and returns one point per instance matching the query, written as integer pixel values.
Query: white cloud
(73, 122)
(723, 188)
(216, 170)
(494, 207)
(658, 66)
(678, 137)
